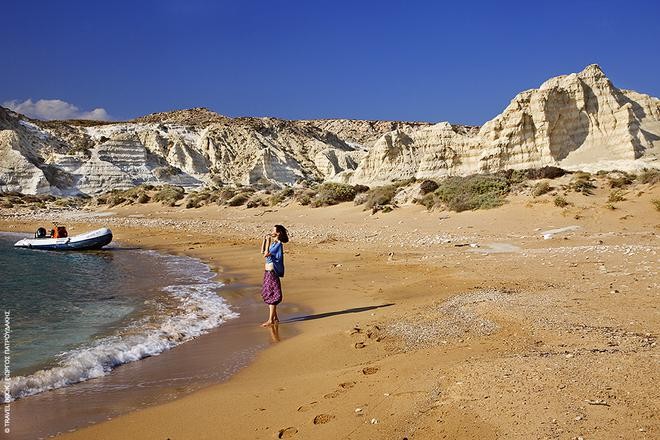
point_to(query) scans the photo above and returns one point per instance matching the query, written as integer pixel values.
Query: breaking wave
(191, 307)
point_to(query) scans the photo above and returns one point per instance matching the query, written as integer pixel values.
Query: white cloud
(54, 109)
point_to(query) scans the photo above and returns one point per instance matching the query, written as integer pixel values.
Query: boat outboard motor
(41, 233)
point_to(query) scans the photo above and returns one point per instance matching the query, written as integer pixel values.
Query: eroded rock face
(571, 121)
(17, 173)
(576, 121)
(436, 151)
(186, 147)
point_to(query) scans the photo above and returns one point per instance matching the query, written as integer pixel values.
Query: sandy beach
(524, 321)
(471, 192)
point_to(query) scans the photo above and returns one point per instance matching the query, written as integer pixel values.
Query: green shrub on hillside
(620, 181)
(225, 194)
(429, 201)
(194, 201)
(69, 202)
(281, 196)
(513, 177)
(256, 201)
(472, 192)
(649, 176)
(541, 188)
(203, 197)
(583, 183)
(544, 173)
(616, 196)
(238, 200)
(331, 193)
(428, 186)
(46, 197)
(143, 198)
(115, 199)
(304, 196)
(378, 197)
(169, 195)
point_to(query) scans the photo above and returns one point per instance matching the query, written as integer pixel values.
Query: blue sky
(402, 60)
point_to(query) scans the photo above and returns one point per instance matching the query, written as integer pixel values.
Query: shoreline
(238, 343)
(415, 333)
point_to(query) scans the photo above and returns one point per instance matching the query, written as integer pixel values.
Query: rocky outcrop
(572, 121)
(364, 133)
(185, 147)
(436, 151)
(17, 173)
(576, 121)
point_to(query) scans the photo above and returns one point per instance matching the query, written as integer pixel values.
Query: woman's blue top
(276, 257)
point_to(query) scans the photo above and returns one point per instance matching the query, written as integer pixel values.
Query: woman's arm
(266, 246)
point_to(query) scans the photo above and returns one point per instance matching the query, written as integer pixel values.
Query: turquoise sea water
(77, 315)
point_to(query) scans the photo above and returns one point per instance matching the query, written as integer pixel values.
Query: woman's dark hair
(284, 234)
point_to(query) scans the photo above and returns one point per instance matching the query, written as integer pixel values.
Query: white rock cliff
(576, 121)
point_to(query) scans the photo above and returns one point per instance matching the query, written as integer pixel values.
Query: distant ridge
(193, 116)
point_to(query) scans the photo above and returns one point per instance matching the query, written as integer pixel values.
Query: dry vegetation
(541, 188)
(582, 183)
(479, 191)
(16, 200)
(649, 177)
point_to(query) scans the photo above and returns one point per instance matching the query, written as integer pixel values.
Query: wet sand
(428, 325)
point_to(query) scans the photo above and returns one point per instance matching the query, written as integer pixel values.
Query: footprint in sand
(370, 370)
(287, 432)
(359, 345)
(342, 387)
(332, 395)
(323, 418)
(306, 407)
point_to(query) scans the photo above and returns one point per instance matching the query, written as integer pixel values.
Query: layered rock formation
(574, 121)
(186, 147)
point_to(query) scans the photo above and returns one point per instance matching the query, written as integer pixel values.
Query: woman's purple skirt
(272, 289)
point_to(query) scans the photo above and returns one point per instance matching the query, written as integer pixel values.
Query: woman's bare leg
(271, 315)
(275, 317)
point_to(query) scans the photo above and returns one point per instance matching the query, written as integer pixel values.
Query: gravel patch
(455, 318)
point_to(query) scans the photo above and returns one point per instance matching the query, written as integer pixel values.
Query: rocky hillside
(576, 121)
(573, 121)
(186, 147)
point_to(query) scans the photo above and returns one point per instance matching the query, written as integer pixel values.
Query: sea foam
(197, 309)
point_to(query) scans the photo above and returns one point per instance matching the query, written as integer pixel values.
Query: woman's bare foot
(267, 324)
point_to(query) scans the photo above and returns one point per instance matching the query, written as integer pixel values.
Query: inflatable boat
(91, 240)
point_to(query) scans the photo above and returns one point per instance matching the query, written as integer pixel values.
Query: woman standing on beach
(273, 251)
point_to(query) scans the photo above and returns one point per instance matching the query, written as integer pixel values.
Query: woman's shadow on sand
(338, 312)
